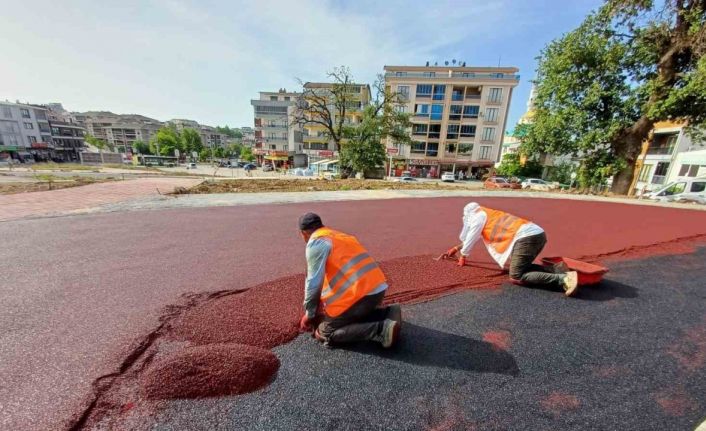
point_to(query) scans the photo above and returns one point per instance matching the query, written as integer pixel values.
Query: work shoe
(394, 312)
(571, 283)
(390, 333)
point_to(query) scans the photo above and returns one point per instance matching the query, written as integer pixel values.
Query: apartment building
(119, 130)
(459, 116)
(666, 155)
(317, 145)
(25, 132)
(275, 137)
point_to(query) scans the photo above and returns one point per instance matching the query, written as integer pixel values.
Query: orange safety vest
(500, 228)
(350, 275)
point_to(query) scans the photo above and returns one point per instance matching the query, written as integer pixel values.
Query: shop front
(399, 166)
(278, 159)
(42, 151)
(423, 168)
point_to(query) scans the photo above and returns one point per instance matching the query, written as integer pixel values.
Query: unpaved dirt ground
(314, 185)
(20, 187)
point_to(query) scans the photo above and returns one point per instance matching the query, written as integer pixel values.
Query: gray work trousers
(363, 321)
(523, 254)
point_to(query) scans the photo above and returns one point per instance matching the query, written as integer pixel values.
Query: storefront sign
(392, 151)
(259, 152)
(423, 162)
(278, 153)
(8, 148)
(40, 145)
(326, 153)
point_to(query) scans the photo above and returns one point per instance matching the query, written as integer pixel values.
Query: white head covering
(469, 212)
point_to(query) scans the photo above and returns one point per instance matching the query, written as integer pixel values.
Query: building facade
(317, 145)
(276, 138)
(459, 116)
(25, 133)
(663, 157)
(120, 131)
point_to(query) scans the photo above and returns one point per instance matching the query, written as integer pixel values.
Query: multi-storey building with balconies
(277, 139)
(318, 145)
(459, 115)
(25, 132)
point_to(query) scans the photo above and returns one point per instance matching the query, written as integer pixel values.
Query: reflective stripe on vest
(350, 274)
(500, 228)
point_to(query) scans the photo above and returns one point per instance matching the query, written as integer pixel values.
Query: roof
(480, 69)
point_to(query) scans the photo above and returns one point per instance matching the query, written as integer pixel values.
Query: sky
(205, 60)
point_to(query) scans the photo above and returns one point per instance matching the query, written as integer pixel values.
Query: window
(675, 189)
(485, 152)
(273, 97)
(419, 129)
(429, 74)
(273, 147)
(437, 111)
(7, 112)
(465, 149)
(424, 90)
(491, 114)
(402, 109)
(439, 91)
(455, 112)
(471, 111)
(689, 170)
(452, 131)
(698, 187)
(645, 173)
(287, 98)
(403, 91)
(418, 147)
(432, 149)
(662, 168)
(451, 148)
(468, 75)
(400, 73)
(32, 139)
(488, 133)
(468, 131)
(434, 131)
(498, 75)
(25, 112)
(29, 126)
(421, 110)
(495, 95)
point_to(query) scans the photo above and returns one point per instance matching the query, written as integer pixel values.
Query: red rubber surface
(81, 290)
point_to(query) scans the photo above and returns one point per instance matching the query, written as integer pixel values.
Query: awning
(285, 158)
(320, 162)
(330, 162)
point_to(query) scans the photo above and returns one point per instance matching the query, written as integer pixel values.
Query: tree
(98, 143)
(247, 155)
(512, 166)
(234, 150)
(327, 106)
(140, 147)
(364, 146)
(231, 133)
(602, 86)
(165, 141)
(191, 140)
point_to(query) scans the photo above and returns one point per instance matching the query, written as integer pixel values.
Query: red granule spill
(500, 339)
(675, 401)
(690, 349)
(560, 402)
(208, 371)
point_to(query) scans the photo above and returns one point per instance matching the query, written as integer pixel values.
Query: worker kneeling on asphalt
(346, 286)
(508, 236)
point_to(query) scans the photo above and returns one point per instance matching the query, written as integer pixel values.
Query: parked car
(448, 177)
(267, 168)
(249, 167)
(536, 184)
(500, 183)
(682, 190)
(191, 165)
(405, 179)
(300, 172)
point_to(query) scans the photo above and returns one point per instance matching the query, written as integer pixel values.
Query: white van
(682, 190)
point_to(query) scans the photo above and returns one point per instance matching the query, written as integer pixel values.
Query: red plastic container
(588, 273)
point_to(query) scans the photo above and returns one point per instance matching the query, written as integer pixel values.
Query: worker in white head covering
(510, 237)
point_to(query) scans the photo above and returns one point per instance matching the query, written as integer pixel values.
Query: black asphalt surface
(628, 354)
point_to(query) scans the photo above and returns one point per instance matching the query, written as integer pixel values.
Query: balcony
(660, 151)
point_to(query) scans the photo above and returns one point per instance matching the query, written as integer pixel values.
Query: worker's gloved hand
(305, 324)
(462, 261)
(450, 253)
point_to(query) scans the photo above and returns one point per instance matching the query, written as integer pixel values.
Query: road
(81, 289)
